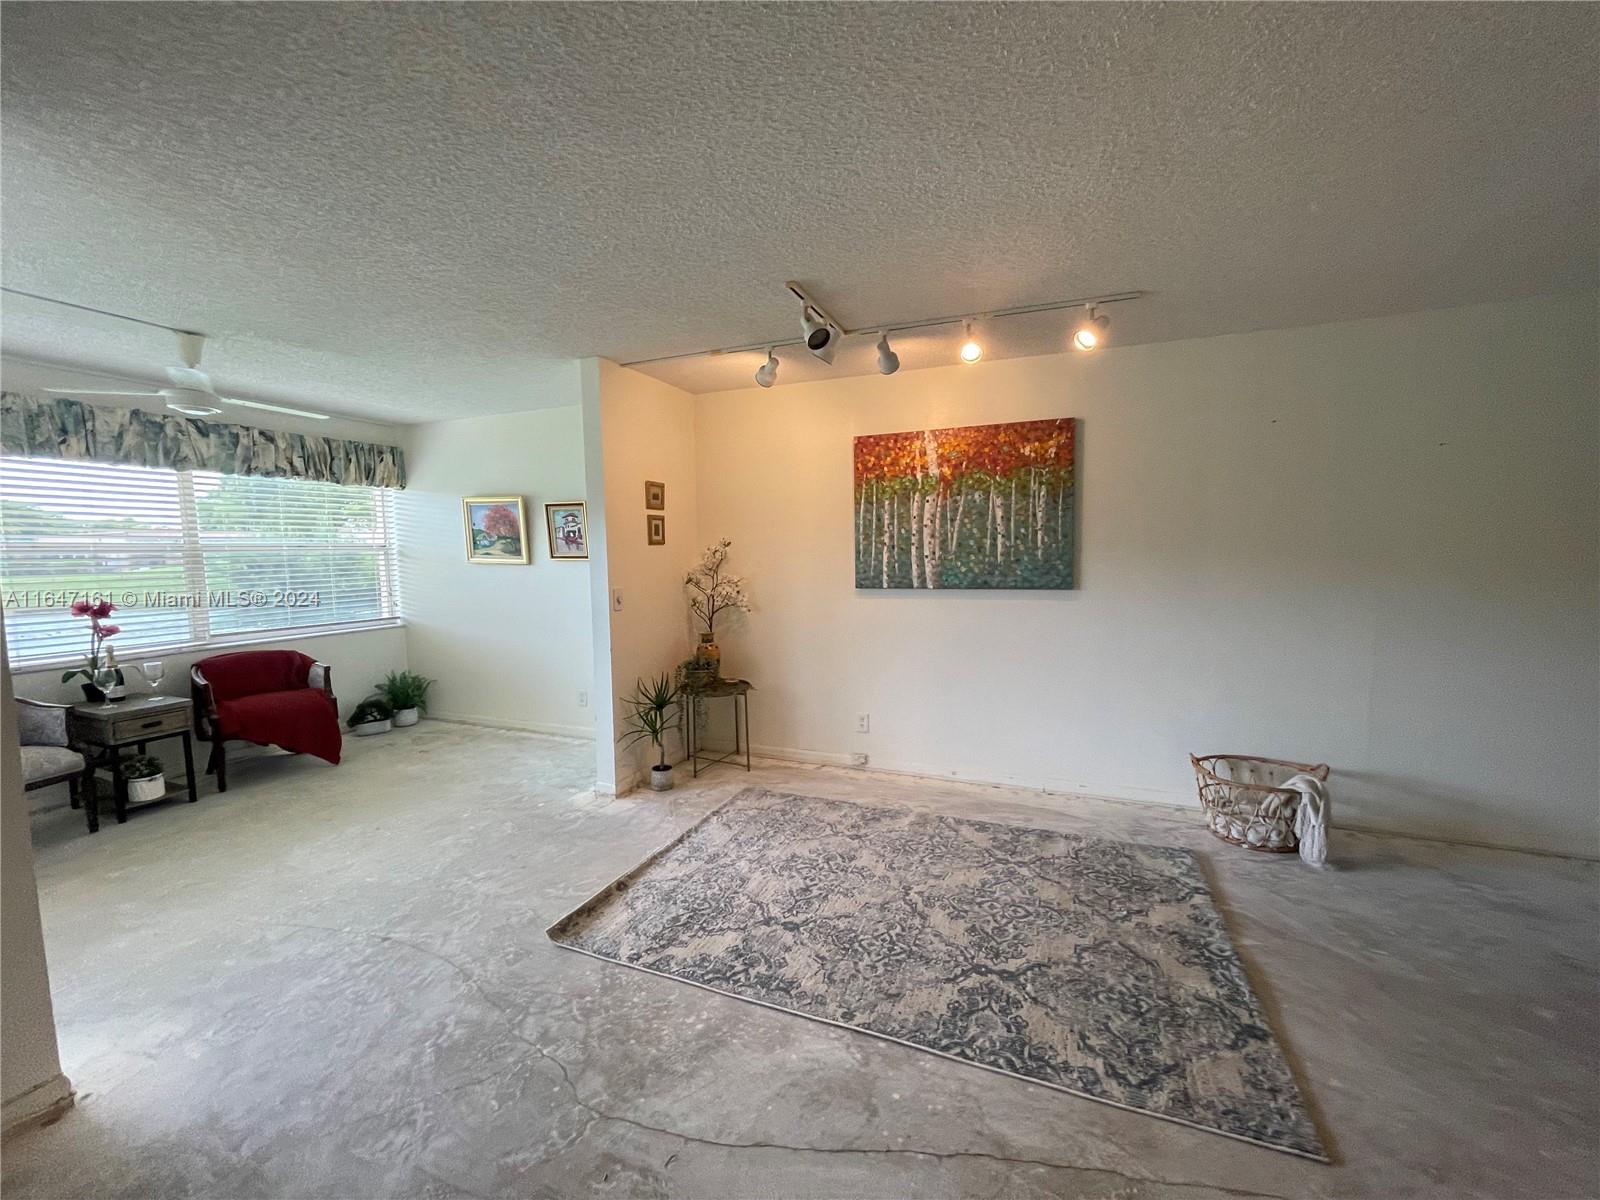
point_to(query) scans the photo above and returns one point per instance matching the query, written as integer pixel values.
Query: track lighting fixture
(888, 360)
(767, 372)
(1091, 331)
(971, 352)
(822, 336)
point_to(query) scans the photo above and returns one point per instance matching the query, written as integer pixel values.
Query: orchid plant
(710, 591)
(99, 631)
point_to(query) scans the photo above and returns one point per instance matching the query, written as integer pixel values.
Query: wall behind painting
(1372, 543)
(509, 645)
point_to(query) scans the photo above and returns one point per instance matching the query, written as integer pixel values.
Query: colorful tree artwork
(979, 506)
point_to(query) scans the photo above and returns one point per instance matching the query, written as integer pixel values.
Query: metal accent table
(108, 728)
(739, 690)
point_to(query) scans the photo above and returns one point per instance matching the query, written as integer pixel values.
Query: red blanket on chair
(265, 696)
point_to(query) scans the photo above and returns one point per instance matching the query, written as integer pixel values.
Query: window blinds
(190, 558)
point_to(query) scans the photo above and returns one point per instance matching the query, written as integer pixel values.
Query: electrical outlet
(858, 760)
(583, 699)
(863, 723)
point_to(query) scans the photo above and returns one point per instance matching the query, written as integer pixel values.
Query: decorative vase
(368, 728)
(660, 779)
(710, 654)
(142, 791)
(404, 717)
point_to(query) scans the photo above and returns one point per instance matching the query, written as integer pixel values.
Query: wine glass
(153, 673)
(105, 678)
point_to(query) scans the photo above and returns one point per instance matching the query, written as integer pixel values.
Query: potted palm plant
(652, 714)
(146, 778)
(407, 694)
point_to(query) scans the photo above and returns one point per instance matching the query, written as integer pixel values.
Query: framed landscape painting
(979, 506)
(568, 529)
(497, 529)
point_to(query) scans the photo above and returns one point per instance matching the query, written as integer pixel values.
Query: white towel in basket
(1311, 817)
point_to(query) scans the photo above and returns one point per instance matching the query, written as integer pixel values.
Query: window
(190, 558)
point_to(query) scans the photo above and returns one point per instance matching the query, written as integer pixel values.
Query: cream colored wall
(646, 430)
(31, 1082)
(1373, 544)
(508, 645)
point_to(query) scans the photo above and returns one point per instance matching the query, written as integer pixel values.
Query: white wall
(508, 645)
(1372, 544)
(31, 1082)
(646, 431)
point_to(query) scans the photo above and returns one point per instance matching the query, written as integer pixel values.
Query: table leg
(694, 741)
(188, 766)
(119, 787)
(90, 789)
(744, 702)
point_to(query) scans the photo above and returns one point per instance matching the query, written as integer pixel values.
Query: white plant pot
(142, 791)
(368, 728)
(404, 717)
(660, 779)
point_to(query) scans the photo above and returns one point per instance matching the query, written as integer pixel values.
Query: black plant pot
(95, 696)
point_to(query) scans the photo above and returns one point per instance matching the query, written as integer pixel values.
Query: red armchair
(268, 697)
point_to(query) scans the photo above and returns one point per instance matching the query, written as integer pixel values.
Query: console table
(739, 690)
(105, 730)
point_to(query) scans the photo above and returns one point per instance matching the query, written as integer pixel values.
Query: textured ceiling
(409, 211)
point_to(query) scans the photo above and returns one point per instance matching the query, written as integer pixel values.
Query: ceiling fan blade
(71, 391)
(277, 408)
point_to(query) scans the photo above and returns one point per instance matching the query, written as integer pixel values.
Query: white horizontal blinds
(189, 558)
(71, 530)
(290, 553)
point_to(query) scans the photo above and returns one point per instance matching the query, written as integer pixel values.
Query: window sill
(213, 646)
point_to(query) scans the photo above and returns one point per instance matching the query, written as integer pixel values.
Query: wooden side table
(739, 690)
(104, 730)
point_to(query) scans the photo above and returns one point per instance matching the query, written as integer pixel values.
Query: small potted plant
(146, 778)
(100, 662)
(407, 694)
(372, 715)
(652, 714)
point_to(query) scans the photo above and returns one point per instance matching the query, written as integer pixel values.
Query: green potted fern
(652, 714)
(407, 694)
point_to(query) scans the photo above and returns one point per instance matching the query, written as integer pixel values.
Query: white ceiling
(410, 211)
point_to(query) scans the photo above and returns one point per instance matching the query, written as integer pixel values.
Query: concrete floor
(335, 983)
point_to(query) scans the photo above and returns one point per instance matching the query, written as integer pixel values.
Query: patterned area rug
(1097, 967)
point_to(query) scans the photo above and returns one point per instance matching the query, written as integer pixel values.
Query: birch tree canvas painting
(980, 506)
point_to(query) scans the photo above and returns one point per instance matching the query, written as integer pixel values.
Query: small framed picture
(497, 529)
(569, 531)
(655, 529)
(655, 495)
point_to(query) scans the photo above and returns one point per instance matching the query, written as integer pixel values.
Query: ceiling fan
(191, 393)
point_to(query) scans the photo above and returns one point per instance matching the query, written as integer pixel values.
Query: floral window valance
(60, 428)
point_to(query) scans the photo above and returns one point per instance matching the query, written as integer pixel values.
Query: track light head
(1091, 331)
(888, 360)
(971, 352)
(767, 372)
(822, 338)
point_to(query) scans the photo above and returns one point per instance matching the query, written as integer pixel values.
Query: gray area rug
(1097, 967)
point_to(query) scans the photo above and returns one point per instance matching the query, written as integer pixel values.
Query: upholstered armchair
(47, 754)
(267, 697)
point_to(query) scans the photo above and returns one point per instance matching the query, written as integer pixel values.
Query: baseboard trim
(583, 733)
(1183, 801)
(42, 1104)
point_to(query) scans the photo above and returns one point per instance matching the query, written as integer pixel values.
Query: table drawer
(148, 725)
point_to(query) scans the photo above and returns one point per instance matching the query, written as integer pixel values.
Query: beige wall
(508, 645)
(1372, 543)
(644, 429)
(31, 1082)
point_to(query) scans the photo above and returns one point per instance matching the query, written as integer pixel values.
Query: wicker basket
(1245, 803)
